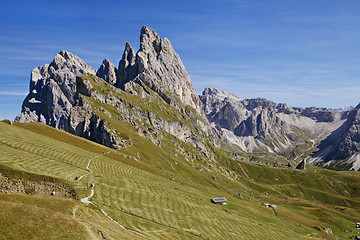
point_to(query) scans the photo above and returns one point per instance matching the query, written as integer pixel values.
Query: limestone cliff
(52, 91)
(158, 66)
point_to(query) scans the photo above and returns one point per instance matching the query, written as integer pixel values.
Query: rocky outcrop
(53, 90)
(350, 143)
(301, 165)
(250, 117)
(319, 114)
(158, 66)
(127, 69)
(54, 99)
(83, 86)
(85, 123)
(107, 71)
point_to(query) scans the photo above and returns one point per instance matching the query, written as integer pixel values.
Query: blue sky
(303, 53)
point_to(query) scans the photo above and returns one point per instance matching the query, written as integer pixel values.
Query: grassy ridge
(162, 196)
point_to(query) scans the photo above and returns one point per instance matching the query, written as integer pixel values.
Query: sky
(303, 53)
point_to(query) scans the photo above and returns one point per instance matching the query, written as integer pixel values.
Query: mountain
(260, 125)
(343, 109)
(151, 92)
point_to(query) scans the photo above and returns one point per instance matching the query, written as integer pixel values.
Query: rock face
(342, 144)
(107, 71)
(301, 165)
(53, 90)
(158, 66)
(250, 117)
(319, 114)
(350, 141)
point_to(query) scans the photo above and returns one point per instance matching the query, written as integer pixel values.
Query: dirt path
(90, 171)
(87, 200)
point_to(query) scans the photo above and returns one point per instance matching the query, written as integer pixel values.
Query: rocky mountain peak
(221, 95)
(159, 67)
(107, 71)
(129, 55)
(52, 90)
(127, 69)
(149, 40)
(67, 60)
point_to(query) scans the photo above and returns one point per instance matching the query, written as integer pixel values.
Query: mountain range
(70, 95)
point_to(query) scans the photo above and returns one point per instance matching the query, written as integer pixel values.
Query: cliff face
(342, 147)
(250, 117)
(53, 91)
(158, 66)
(70, 95)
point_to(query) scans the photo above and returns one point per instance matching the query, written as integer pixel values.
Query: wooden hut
(220, 200)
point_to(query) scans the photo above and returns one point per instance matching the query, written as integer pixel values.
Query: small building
(220, 200)
(268, 205)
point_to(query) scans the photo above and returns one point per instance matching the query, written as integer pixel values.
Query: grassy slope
(142, 195)
(30, 217)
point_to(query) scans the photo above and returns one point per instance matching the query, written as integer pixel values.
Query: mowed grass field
(153, 194)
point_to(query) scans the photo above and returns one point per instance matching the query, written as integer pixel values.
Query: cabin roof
(220, 199)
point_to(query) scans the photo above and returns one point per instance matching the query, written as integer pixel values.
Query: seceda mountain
(151, 92)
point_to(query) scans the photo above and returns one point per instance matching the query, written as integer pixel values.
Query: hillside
(159, 195)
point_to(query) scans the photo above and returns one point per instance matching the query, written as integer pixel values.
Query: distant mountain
(343, 109)
(258, 125)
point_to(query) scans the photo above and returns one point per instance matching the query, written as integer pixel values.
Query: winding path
(87, 201)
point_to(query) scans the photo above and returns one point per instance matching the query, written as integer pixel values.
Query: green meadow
(151, 193)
